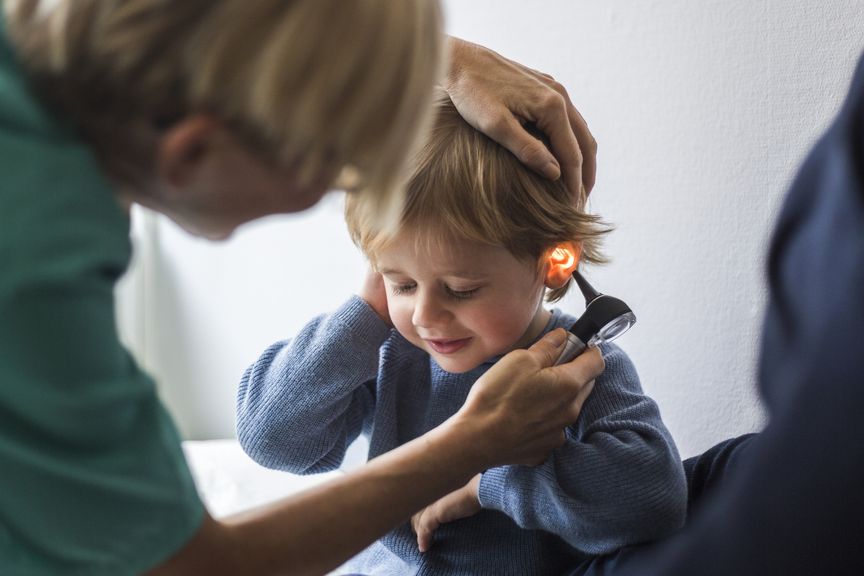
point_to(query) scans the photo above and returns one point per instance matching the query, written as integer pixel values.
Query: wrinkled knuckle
(552, 101)
(520, 355)
(559, 88)
(495, 124)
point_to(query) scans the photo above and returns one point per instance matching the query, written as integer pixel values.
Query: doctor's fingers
(579, 168)
(575, 380)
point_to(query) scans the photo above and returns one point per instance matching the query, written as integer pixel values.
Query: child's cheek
(505, 330)
(400, 315)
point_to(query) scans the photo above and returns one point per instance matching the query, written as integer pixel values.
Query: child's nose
(428, 311)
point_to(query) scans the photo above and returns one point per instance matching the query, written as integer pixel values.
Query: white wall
(702, 111)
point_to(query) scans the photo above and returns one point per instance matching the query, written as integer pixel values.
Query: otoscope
(605, 318)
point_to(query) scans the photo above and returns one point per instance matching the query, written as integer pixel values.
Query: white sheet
(229, 481)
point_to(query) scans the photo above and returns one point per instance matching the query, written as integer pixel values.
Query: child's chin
(455, 365)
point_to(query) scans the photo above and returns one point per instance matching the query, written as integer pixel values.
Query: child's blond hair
(315, 85)
(463, 185)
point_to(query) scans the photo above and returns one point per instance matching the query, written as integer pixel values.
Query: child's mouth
(448, 346)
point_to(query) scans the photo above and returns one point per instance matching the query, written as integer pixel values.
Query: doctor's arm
(515, 414)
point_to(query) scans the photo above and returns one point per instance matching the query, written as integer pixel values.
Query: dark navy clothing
(790, 500)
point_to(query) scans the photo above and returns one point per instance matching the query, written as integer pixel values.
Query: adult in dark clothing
(790, 500)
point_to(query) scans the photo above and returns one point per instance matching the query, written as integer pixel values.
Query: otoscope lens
(615, 328)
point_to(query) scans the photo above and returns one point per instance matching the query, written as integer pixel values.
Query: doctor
(217, 112)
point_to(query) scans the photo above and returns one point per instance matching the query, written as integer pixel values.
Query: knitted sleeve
(304, 400)
(617, 481)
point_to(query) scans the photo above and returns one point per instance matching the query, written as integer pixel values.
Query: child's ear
(561, 261)
(183, 146)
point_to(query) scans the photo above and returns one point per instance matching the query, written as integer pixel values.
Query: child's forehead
(445, 254)
(433, 242)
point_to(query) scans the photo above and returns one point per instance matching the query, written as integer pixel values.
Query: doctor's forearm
(515, 413)
(317, 530)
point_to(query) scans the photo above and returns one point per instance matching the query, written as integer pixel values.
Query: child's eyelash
(462, 294)
(402, 289)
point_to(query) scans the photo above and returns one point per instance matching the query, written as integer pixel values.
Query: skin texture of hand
(524, 402)
(374, 293)
(461, 503)
(497, 96)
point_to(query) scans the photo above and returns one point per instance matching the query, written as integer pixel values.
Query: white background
(702, 111)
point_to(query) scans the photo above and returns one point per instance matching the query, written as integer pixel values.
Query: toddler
(459, 282)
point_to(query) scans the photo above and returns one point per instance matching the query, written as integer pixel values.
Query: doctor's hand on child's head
(374, 293)
(523, 403)
(497, 96)
(460, 503)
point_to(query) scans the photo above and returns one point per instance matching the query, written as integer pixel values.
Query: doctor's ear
(184, 146)
(560, 263)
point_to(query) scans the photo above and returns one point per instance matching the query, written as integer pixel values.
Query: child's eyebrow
(467, 274)
(386, 271)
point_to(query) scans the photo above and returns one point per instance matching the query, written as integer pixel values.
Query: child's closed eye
(399, 289)
(462, 294)
(408, 288)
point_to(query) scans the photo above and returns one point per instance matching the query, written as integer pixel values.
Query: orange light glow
(562, 257)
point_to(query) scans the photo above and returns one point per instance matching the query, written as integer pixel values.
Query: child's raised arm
(302, 403)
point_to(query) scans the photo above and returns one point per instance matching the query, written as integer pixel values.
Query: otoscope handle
(572, 348)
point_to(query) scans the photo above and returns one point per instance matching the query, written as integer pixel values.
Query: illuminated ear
(561, 261)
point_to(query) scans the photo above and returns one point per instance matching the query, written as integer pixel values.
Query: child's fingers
(424, 539)
(426, 526)
(415, 521)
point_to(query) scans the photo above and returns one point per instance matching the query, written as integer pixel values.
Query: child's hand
(375, 294)
(462, 503)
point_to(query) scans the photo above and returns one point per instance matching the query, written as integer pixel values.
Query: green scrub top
(92, 476)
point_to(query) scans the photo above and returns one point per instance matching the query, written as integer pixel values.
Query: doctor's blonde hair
(463, 185)
(315, 85)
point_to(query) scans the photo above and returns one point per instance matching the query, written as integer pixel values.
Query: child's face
(461, 301)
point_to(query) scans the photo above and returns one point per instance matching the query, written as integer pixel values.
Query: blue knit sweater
(618, 480)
